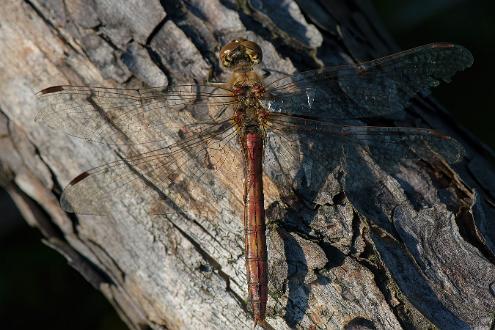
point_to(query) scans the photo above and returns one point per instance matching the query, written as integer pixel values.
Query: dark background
(38, 288)
(470, 23)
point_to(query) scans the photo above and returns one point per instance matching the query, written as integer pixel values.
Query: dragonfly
(185, 131)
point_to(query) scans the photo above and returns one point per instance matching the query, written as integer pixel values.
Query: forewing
(369, 89)
(130, 116)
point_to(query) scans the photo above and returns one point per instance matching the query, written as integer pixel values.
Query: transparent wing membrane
(369, 89)
(188, 130)
(157, 173)
(302, 155)
(396, 141)
(129, 116)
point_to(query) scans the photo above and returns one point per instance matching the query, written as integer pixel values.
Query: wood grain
(406, 258)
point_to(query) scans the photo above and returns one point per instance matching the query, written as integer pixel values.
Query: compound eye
(225, 57)
(254, 57)
(253, 50)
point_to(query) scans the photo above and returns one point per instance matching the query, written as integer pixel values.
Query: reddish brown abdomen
(254, 227)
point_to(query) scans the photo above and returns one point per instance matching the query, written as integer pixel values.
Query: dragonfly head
(240, 54)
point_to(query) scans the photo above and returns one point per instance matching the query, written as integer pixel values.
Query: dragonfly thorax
(249, 116)
(248, 91)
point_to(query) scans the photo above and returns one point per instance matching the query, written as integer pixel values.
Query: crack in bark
(197, 246)
(52, 27)
(369, 258)
(383, 281)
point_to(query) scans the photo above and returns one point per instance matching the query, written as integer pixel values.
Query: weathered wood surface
(418, 252)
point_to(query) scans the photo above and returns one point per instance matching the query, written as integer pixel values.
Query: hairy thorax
(248, 88)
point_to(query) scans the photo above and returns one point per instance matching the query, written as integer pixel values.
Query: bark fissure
(345, 255)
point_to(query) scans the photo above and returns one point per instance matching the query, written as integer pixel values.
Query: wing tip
(66, 206)
(463, 51)
(64, 201)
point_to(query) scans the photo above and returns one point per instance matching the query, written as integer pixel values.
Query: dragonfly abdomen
(254, 226)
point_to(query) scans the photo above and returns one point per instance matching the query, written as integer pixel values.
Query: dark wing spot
(78, 178)
(52, 89)
(443, 45)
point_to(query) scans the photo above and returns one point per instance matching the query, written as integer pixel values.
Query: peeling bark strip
(415, 250)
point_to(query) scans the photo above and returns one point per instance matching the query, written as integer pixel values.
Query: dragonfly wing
(369, 89)
(317, 147)
(297, 158)
(158, 180)
(130, 116)
(396, 142)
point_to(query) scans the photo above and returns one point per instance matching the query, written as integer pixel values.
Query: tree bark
(335, 262)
